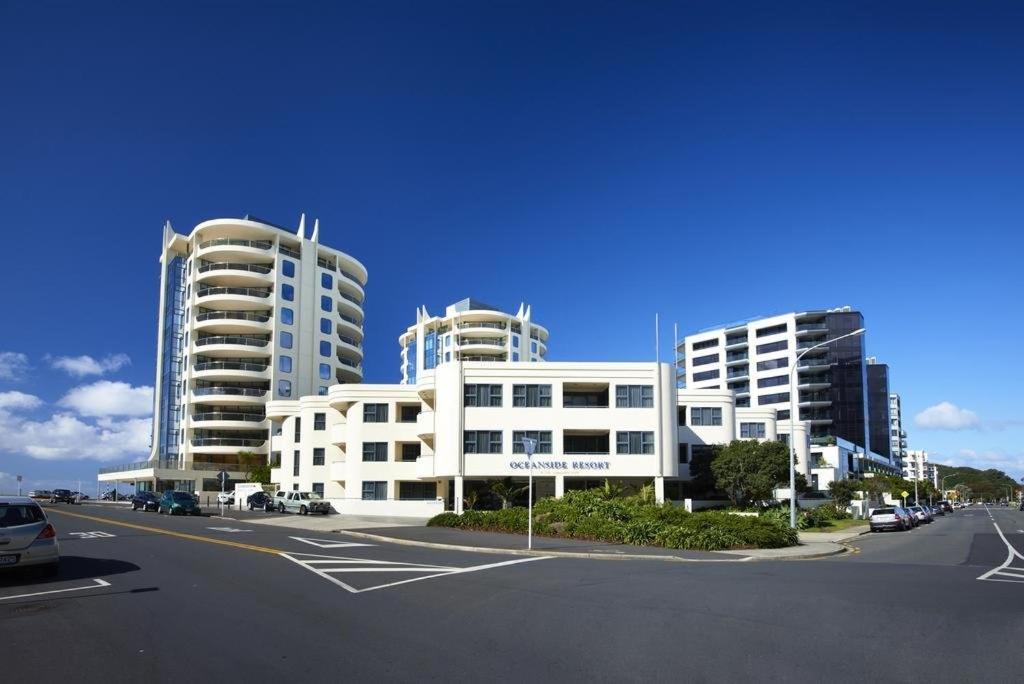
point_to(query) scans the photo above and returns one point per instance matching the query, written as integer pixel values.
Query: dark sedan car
(260, 500)
(178, 503)
(62, 496)
(147, 501)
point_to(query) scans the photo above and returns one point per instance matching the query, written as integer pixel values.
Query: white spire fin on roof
(168, 232)
(316, 230)
(528, 312)
(301, 232)
(519, 314)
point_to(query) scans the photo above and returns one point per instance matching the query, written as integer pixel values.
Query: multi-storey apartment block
(897, 435)
(916, 466)
(470, 331)
(249, 312)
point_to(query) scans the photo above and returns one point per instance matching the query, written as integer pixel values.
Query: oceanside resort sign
(559, 465)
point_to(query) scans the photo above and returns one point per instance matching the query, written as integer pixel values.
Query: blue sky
(602, 161)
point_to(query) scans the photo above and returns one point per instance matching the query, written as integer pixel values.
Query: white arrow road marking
(1005, 570)
(96, 584)
(328, 543)
(227, 529)
(316, 564)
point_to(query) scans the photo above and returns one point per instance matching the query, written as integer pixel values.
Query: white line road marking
(227, 529)
(97, 583)
(389, 566)
(91, 535)
(328, 543)
(1005, 569)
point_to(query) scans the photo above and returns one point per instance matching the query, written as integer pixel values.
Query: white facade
(419, 449)
(249, 312)
(897, 435)
(470, 331)
(916, 466)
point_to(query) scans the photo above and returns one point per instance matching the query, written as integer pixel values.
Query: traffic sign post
(223, 477)
(19, 485)
(904, 494)
(529, 446)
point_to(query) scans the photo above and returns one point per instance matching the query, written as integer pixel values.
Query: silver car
(26, 537)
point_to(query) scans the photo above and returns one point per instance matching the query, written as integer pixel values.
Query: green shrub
(445, 520)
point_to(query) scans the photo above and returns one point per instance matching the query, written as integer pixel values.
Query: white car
(226, 498)
(26, 537)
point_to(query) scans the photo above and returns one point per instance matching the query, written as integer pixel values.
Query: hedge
(595, 516)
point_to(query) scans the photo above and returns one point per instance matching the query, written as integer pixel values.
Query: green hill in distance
(988, 484)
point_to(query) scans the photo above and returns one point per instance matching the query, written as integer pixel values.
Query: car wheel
(280, 508)
(302, 510)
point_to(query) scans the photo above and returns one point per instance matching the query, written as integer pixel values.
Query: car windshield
(12, 515)
(181, 496)
(885, 511)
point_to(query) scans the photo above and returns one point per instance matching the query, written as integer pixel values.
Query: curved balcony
(349, 370)
(349, 326)
(351, 347)
(231, 322)
(350, 306)
(228, 395)
(482, 345)
(347, 284)
(229, 419)
(230, 370)
(231, 345)
(227, 445)
(235, 249)
(235, 274)
(235, 298)
(487, 328)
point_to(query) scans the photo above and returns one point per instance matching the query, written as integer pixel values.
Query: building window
(375, 452)
(284, 388)
(295, 463)
(772, 364)
(325, 303)
(326, 280)
(375, 413)
(705, 415)
(743, 402)
(325, 348)
(322, 391)
(533, 346)
(298, 430)
(531, 395)
(634, 396)
(515, 356)
(408, 414)
(782, 415)
(325, 371)
(288, 268)
(286, 340)
(772, 330)
(684, 454)
(287, 315)
(325, 326)
(482, 395)
(417, 490)
(772, 347)
(410, 452)
(765, 399)
(543, 438)
(318, 454)
(376, 490)
(318, 489)
(773, 381)
(319, 421)
(288, 293)
(515, 341)
(705, 360)
(751, 430)
(284, 364)
(634, 442)
(706, 375)
(481, 442)
(705, 344)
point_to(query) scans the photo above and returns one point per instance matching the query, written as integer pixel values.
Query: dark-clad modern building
(878, 408)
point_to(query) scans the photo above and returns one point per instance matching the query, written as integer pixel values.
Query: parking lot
(223, 596)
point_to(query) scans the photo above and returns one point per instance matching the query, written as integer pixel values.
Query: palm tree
(470, 499)
(506, 490)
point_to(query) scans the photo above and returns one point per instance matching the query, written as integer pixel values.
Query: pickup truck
(301, 503)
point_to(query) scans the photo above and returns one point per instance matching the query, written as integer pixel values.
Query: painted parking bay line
(97, 583)
(328, 543)
(1005, 572)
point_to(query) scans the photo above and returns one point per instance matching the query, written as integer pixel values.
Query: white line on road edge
(98, 583)
(1001, 570)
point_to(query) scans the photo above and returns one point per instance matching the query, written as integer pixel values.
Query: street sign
(529, 446)
(904, 494)
(19, 478)
(223, 477)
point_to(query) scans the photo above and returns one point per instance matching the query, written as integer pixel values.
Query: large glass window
(417, 490)
(483, 395)
(325, 326)
(481, 442)
(765, 399)
(430, 350)
(284, 388)
(319, 421)
(705, 344)
(773, 381)
(375, 451)
(288, 268)
(531, 395)
(772, 364)
(705, 415)
(318, 455)
(297, 436)
(326, 303)
(327, 280)
(772, 347)
(634, 396)
(325, 371)
(325, 348)
(706, 375)
(286, 340)
(634, 442)
(375, 413)
(705, 360)
(376, 490)
(771, 330)
(408, 414)
(752, 431)
(284, 364)
(287, 315)
(288, 293)
(318, 489)
(410, 451)
(543, 438)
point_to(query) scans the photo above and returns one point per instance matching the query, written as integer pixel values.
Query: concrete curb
(574, 554)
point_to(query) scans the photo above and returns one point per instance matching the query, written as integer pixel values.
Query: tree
(843, 491)
(749, 471)
(255, 467)
(507, 490)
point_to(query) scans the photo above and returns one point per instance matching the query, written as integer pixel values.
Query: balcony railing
(217, 415)
(227, 441)
(814, 361)
(481, 324)
(169, 464)
(741, 373)
(811, 326)
(233, 315)
(324, 263)
(217, 266)
(288, 252)
(232, 339)
(468, 341)
(346, 362)
(815, 396)
(350, 319)
(229, 391)
(257, 244)
(230, 365)
(350, 341)
(354, 300)
(734, 341)
(261, 292)
(736, 357)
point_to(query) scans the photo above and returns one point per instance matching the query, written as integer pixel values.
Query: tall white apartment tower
(916, 466)
(897, 435)
(249, 312)
(470, 331)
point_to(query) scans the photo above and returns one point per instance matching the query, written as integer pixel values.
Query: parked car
(888, 518)
(946, 506)
(226, 498)
(178, 503)
(938, 510)
(147, 501)
(62, 496)
(40, 494)
(260, 500)
(922, 513)
(301, 503)
(26, 537)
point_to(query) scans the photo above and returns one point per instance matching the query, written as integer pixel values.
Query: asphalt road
(155, 599)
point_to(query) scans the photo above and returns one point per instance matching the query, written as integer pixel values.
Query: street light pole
(792, 420)
(942, 489)
(529, 446)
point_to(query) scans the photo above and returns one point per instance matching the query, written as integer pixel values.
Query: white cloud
(947, 416)
(106, 398)
(12, 365)
(80, 366)
(64, 436)
(19, 400)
